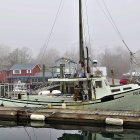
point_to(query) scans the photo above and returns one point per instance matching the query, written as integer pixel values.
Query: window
(98, 84)
(16, 71)
(115, 90)
(28, 71)
(127, 88)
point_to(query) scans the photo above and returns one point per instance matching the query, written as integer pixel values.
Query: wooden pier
(68, 116)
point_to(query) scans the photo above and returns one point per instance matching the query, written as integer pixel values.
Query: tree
(25, 55)
(4, 51)
(19, 56)
(117, 59)
(48, 58)
(72, 54)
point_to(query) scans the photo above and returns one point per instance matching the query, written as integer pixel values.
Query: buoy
(112, 128)
(37, 123)
(114, 121)
(56, 92)
(37, 117)
(45, 92)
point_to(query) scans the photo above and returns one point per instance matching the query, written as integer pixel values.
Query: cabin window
(28, 71)
(16, 71)
(115, 90)
(127, 88)
(98, 84)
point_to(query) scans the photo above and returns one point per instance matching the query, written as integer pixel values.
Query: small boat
(85, 91)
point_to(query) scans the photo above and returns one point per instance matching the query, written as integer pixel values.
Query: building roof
(23, 66)
(66, 59)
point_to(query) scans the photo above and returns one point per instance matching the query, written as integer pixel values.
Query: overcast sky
(28, 23)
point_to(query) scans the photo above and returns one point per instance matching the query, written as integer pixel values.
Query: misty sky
(28, 23)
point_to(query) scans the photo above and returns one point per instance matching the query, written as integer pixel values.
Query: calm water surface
(42, 131)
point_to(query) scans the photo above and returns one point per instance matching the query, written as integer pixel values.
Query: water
(42, 131)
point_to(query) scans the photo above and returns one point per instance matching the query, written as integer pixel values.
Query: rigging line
(51, 31)
(105, 13)
(136, 58)
(136, 61)
(84, 35)
(112, 19)
(138, 64)
(27, 133)
(88, 27)
(34, 134)
(119, 33)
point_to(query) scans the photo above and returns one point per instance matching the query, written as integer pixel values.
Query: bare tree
(117, 59)
(72, 54)
(20, 56)
(4, 51)
(25, 55)
(48, 58)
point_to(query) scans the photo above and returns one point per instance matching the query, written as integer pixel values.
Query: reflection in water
(66, 136)
(42, 131)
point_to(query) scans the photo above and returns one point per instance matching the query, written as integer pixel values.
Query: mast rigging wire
(88, 26)
(51, 31)
(84, 28)
(111, 20)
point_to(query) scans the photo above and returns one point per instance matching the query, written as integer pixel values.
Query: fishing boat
(84, 91)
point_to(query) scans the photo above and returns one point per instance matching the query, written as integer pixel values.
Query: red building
(3, 75)
(23, 71)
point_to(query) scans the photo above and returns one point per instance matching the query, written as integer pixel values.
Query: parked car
(124, 80)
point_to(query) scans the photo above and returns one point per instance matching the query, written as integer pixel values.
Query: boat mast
(81, 45)
(81, 50)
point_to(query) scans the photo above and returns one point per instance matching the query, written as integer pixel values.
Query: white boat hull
(128, 100)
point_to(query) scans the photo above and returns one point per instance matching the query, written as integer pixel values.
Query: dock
(69, 116)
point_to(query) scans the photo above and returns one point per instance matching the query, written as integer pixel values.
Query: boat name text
(136, 93)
